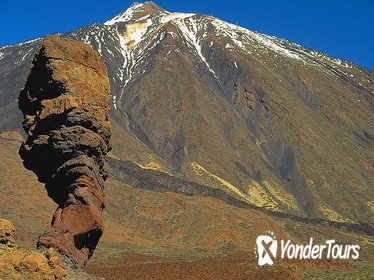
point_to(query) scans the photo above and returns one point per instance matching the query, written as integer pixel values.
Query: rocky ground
(237, 266)
(20, 263)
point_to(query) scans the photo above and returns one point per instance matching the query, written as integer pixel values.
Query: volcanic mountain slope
(264, 120)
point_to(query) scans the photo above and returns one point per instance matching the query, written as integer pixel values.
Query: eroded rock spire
(65, 103)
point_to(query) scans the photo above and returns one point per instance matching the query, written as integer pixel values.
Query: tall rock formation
(65, 103)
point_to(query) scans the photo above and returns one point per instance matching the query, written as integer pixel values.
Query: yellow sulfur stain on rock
(370, 205)
(135, 32)
(153, 165)
(202, 171)
(258, 196)
(332, 215)
(261, 194)
(262, 198)
(281, 195)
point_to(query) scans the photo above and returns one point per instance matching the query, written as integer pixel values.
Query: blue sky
(341, 28)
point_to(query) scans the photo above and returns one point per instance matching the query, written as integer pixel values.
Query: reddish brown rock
(65, 103)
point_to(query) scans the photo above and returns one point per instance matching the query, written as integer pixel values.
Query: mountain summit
(258, 117)
(137, 11)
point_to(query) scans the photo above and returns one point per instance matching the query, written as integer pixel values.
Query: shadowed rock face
(65, 103)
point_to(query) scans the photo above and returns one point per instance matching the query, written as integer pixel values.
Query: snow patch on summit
(126, 16)
(30, 41)
(135, 48)
(190, 34)
(174, 16)
(136, 31)
(243, 37)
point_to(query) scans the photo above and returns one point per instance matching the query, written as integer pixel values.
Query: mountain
(211, 121)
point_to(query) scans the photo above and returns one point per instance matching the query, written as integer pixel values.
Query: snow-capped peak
(136, 10)
(126, 15)
(145, 17)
